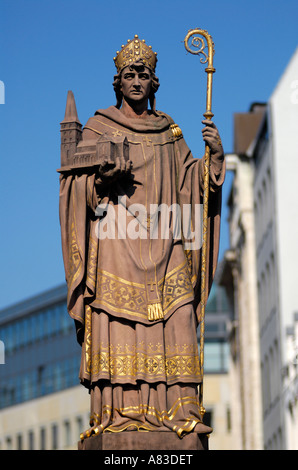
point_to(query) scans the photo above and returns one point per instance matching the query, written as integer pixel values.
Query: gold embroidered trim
(134, 137)
(88, 337)
(176, 287)
(136, 425)
(74, 252)
(120, 279)
(120, 295)
(160, 415)
(75, 262)
(143, 361)
(92, 263)
(152, 410)
(130, 298)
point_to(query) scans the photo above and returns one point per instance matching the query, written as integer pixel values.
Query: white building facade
(283, 108)
(264, 214)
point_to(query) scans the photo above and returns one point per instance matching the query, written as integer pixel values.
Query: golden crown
(135, 50)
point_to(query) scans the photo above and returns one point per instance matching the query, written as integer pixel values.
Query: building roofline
(36, 302)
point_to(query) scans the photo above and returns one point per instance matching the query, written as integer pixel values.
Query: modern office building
(42, 404)
(41, 358)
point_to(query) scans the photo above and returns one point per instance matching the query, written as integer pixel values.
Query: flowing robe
(133, 275)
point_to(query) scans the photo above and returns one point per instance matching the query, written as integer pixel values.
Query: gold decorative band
(134, 362)
(133, 413)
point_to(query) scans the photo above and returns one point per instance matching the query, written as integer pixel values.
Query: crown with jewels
(135, 50)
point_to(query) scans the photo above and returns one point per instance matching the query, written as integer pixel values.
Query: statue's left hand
(211, 136)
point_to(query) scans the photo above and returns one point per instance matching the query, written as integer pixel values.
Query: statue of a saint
(131, 222)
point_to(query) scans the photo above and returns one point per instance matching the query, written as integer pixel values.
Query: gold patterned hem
(187, 427)
(138, 421)
(148, 362)
(129, 427)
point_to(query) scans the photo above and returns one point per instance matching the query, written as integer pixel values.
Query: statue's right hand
(110, 170)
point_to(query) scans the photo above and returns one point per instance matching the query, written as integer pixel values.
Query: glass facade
(36, 327)
(41, 353)
(32, 384)
(216, 348)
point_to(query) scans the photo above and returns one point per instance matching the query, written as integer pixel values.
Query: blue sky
(51, 46)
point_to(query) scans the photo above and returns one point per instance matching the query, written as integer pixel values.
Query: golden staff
(194, 39)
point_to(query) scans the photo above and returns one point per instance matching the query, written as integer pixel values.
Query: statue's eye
(144, 76)
(129, 76)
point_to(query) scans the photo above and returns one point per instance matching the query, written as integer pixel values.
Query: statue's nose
(136, 81)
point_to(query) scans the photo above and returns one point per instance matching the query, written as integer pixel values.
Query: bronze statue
(130, 198)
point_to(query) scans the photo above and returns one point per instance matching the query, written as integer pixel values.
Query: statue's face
(135, 83)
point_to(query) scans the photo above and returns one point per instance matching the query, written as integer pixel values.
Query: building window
(31, 440)
(42, 439)
(42, 381)
(216, 357)
(36, 327)
(79, 427)
(229, 423)
(280, 439)
(19, 442)
(54, 436)
(267, 384)
(67, 434)
(9, 443)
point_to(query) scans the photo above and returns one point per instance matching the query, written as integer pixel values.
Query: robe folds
(131, 252)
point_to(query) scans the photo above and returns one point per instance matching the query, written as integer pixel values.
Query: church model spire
(71, 130)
